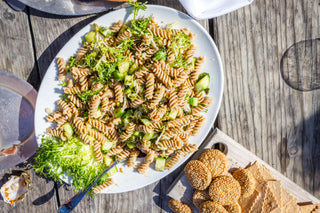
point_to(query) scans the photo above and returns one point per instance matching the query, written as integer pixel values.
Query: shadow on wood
(300, 65)
(304, 140)
(51, 51)
(161, 199)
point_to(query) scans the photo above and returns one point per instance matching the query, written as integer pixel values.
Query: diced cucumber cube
(128, 81)
(118, 112)
(98, 113)
(145, 121)
(148, 136)
(160, 164)
(112, 171)
(118, 75)
(133, 68)
(136, 133)
(90, 37)
(107, 160)
(173, 114)
(88, 125)
(194, 101)
(203, 82)
(68, 129)
(123, 66)
(105, 31)
(106, 146)
(131, 145)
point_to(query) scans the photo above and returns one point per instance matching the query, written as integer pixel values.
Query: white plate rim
(40, 110)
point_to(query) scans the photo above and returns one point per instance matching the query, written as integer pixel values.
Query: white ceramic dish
(17, 103)
(50, 89)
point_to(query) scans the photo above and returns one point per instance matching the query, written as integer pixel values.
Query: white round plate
(50, 89)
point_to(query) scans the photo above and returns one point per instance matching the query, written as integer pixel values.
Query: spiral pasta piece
(78, 122)
(93, 106)
(146, 163)
(52, 117)
(65, 107)
(181, 78)
(190, 53)
(133, 157)
(82, 51)
(75, 100)
(197, 67)
(117, 26)
(160, 32)
(70, 83)
(124, 35)
(98, 124)
(163, 77)
(202, 106)
(62, 68)
(187, 149)
(173, 160)
(158, 95)
(86, 139)
(72, 90)
(97, 151)
(96, 86)
(144, 43)
(118, 92)
(62, 120)
(149, 86)
(171, 57)
(166, 153)
(114, 151)
(97, 135)
(84, 83)
(144, 128)
(137, 102)
(141, 73)
(156, 126)
(97, 189)
(144, 146)
(171, 132)
(157, 113)
(185, 120)
(173, 100)
(198, 125)
(171, 143)
(124, 154)
(128, 133)
(112, 135)
(56, 133)
(200, 97)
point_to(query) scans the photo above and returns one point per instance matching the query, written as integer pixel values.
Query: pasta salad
(133, 89)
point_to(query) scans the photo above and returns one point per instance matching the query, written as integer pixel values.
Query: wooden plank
(51, 32)
(238, 157)
(260, 110)
(17, 57)
(16, 45)
(47, 46)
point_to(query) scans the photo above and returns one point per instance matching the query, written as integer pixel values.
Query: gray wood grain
(261, 108)
(16, 44)
(16, 56)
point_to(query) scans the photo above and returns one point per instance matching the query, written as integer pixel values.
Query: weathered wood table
(271, 57)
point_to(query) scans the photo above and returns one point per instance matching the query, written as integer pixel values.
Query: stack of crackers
(253, 189)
